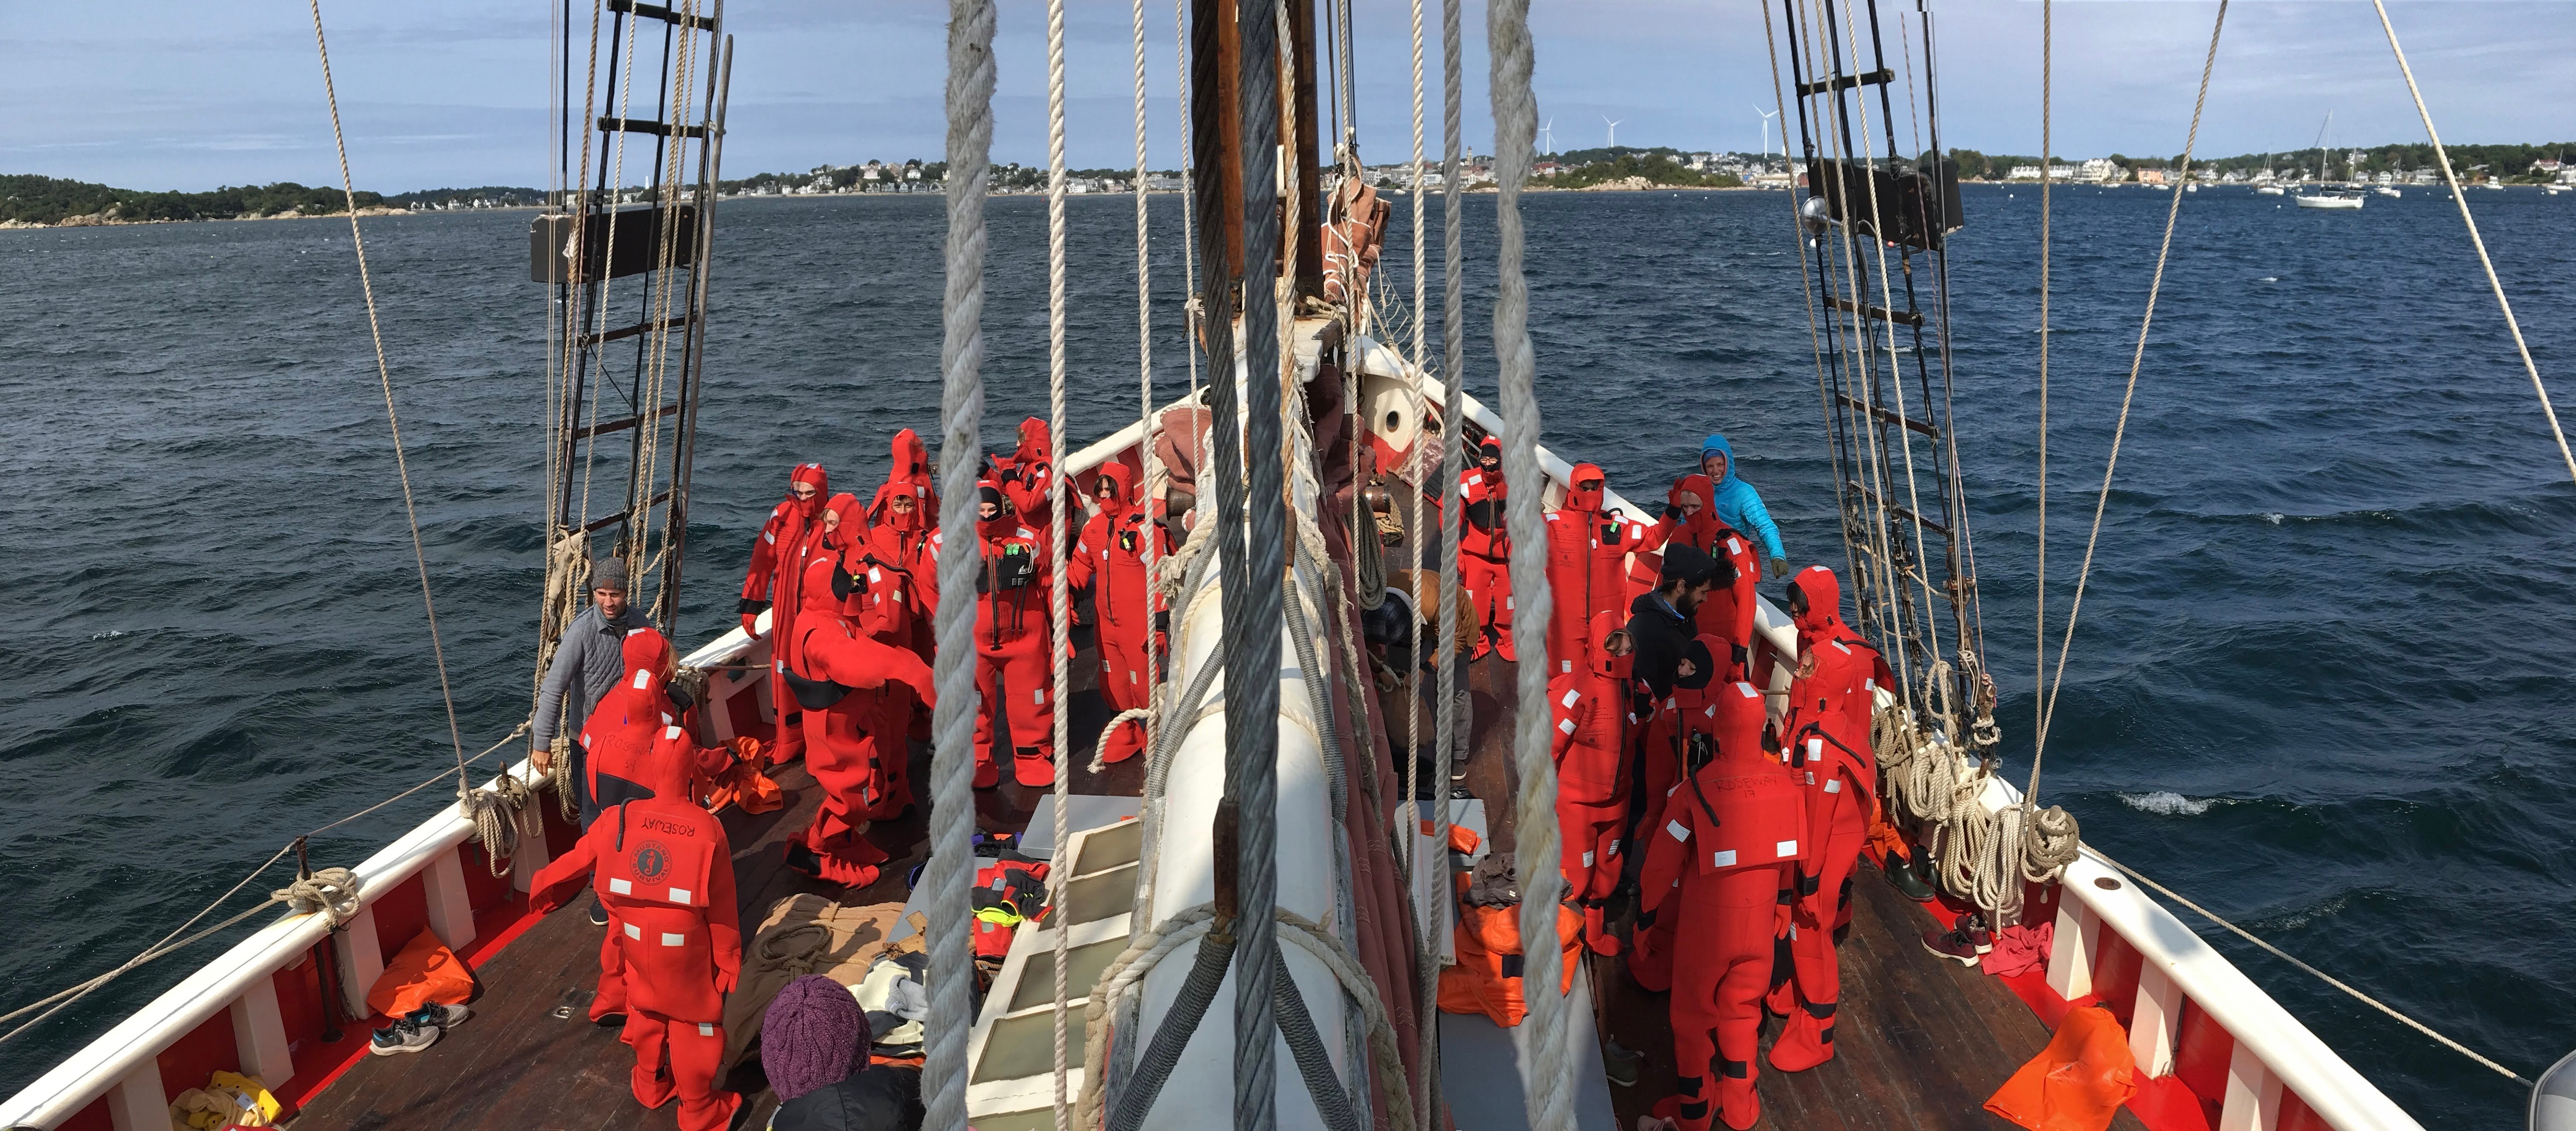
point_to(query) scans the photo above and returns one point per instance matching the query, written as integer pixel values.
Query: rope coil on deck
(330, 892)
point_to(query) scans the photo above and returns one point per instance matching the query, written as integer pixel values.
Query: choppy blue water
(2321, 685)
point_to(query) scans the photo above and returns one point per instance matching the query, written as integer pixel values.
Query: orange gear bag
(2078, 1082)
(425, 972)
(1487, 978)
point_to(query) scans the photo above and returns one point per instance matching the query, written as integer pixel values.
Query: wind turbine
(1614, 130)
(1547, 135)
(1767, 115)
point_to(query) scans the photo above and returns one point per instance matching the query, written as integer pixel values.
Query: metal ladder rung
(620, 425)
(603, 522)
(666, 15)
(1889, 417)
(643, 126)
(671, 323)
(1902, 317)
(1846, 82)
(1898, 508)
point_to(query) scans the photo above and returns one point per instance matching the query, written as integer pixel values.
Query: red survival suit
(1012, 635)
(777, 561)
(842, 678)
(1733, 836)
(1111, 559)
(1728, 612)
(1485, 551)
(664, 870)
(898, 555)
(1684, 721)
(1028, 476)
(1828, 752)
(1590, 711)
(636, 728)
(1587, 555)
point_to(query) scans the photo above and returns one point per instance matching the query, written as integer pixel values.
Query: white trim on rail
(132, 1045)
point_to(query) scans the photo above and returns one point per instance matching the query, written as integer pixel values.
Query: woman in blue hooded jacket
(1738, 504)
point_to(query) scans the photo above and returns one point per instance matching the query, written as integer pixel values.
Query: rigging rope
(2443, 154)
(1452, 451)
(1546, 1069)
(2039, 616)
(951, 863)
(2120, 431)
(1145, 430)
(1058, 597)
(1415, 474)
(384, 378)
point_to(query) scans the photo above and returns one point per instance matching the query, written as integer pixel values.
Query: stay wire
(384, 377)
(2120, 432)
(2443, 154)
(2312, 971)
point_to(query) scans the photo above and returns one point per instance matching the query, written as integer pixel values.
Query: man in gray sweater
(587, 664)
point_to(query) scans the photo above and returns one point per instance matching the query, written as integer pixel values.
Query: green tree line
(1657, 166)
(49, 200)
(2472, 162)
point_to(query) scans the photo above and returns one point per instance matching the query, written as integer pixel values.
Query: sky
(162, 94)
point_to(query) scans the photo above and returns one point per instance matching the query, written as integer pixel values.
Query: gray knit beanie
(608, 573)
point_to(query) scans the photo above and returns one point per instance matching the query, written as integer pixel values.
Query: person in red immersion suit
(1587, 565)
(664, 870)
(1028, 476)
(1485, 550)
(1589, 707)
(1730, 844)
(1012, 634)
(911, 464)
(1111, 560)
(1828, 751)
(770, 584)
(900, 559)
(1728, 612)
(841, 675)
(638, 727)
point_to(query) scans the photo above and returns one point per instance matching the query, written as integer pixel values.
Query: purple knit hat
(814, 1036)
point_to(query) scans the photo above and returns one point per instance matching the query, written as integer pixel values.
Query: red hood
(647, 652)
(1598, 640)
(1581, 498)
(1693, 484)
(1121, 498)
(810, 509)
(1823, 617)
(1003, 521)
(1034, 447)
(852, 523)
(908, 474)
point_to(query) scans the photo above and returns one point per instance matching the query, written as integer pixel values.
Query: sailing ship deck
(1922, 1042)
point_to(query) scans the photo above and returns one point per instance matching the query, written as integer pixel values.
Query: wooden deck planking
(1921, 1042)
(515, 1067)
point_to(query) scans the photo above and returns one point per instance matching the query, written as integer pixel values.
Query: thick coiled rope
(961, 411)
(330, 892)
(499, 817)
(1984, 857)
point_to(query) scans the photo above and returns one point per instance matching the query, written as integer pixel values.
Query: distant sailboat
(2267, 188)
(2339, 201)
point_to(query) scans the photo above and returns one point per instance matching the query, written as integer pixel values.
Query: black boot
(1902, 874)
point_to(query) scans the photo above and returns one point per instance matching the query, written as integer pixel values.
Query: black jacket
(1659, 633)
(883, 1098)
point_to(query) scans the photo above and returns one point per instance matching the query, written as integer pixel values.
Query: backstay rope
(1058, 597)
(1546, 1063)
(961, 403)
(2039, 614)
(1145, 431)
(2120, 431)
(2443, 154)
(465, 792)
(1417, 475)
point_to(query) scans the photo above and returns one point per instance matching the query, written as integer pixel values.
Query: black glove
(1743, 658)
(1163, 621)
(751, 607)
(1672, 513)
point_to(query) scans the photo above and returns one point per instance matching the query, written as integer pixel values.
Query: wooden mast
(1216, 147)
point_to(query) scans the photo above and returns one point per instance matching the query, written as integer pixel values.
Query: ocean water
(2321, 684)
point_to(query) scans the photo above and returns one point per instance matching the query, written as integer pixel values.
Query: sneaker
(1972, 926)
(1951, 944)
(598, 913)
(404, 1035)
(1620, 1064)
(440, 1014)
